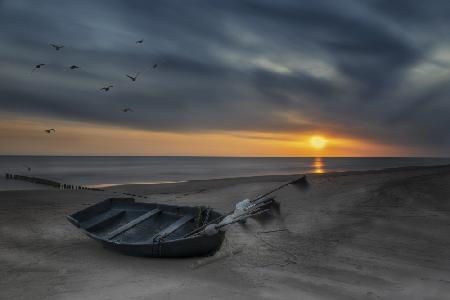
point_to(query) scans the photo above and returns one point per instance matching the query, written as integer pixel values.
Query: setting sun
(318, 142)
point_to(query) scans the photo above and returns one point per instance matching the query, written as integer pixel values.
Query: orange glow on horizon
(21, 135)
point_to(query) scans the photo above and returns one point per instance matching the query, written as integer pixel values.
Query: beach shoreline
(17, 185)
(378, 234)
(100, 171)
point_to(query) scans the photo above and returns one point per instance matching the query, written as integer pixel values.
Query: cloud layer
(378, 69)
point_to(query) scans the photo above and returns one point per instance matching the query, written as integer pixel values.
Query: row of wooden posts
(60, 185)
(48, 182)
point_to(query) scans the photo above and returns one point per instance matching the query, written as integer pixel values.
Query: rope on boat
(245, 209)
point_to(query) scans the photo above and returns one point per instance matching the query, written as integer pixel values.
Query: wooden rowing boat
(148, 229)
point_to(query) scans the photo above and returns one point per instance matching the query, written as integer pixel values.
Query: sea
(98, 171)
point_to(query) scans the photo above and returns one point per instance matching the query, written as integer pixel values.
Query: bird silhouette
(57, 47)
(158, 63)
(133, 78)
(28, 168)
(140, 41)
(106, 88)
(73, 67)
(51, 130)
(38, 66)
(127, 110)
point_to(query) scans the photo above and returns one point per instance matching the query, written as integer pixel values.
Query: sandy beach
(352, 235)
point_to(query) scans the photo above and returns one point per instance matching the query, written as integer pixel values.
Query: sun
(318, 142)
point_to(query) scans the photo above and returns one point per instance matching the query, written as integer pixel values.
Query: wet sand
(354, 235)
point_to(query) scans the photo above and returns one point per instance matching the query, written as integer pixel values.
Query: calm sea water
(119, 170)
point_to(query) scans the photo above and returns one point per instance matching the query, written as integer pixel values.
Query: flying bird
(127, 110)
(73, 67)
(133, 78)
(57, 47)
(106, 88)
(158, 63)
(140, 41)
(38, 66)
(28, 168)
(51, 130)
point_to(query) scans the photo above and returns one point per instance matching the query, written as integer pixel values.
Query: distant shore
(23, 185)
(101, 171)
(380, 234)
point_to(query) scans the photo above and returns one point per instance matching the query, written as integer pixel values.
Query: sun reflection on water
(318, 165)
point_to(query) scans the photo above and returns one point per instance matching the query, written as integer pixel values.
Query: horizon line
(213, 156)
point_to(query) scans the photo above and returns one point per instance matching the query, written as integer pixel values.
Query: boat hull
(148, 229)
(188, 247)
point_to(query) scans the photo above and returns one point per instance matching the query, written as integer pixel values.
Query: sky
(233, 78)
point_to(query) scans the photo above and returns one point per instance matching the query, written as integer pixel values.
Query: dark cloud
(341, 66)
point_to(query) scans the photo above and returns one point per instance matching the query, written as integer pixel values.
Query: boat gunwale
(94, 236)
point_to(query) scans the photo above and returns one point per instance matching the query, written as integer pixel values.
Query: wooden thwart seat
(132, 223)
(173, 227)
(91, 224)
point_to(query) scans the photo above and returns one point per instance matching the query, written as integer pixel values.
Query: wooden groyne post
(52, 183)
(34, 180)
(56, 184)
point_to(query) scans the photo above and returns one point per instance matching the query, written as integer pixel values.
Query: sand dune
(354, 235)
